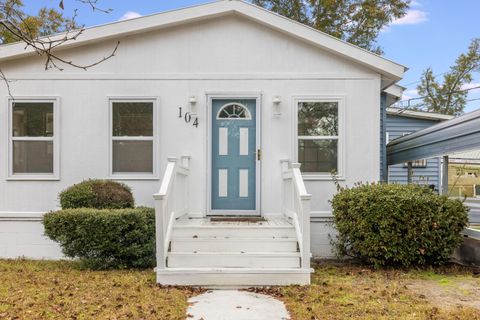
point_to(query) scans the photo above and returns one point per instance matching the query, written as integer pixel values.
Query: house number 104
(187, 117)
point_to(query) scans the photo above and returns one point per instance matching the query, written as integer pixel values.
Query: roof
(390, 71)
(418, 114)
(459, 134)
(394, 93)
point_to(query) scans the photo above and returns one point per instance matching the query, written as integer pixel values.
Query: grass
(475, 227)
(61, 290)
(356, 292)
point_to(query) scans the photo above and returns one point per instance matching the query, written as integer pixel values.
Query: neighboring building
(464, 174)
(239, 95)
(400, 122)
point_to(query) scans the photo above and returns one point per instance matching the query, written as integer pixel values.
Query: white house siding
(226, 55)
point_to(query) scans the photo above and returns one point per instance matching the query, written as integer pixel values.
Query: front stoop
(233, 277)
(233, 254)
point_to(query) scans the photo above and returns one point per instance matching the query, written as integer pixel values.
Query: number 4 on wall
(187, 117)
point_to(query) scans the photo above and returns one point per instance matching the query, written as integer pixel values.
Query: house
(400, 122)
(464, 174)
(219, 110)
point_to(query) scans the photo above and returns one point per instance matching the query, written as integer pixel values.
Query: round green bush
(397, 225)
(103, 239)
(99, 194)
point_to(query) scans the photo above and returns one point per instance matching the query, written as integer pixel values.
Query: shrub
(100, 194)
(397, 225)
(102, 239)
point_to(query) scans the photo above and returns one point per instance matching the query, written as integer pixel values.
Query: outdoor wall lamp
(277, 103)
(193, 102)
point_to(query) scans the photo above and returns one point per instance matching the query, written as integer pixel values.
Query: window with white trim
(33, 133)
(318, 136)
(132, 130)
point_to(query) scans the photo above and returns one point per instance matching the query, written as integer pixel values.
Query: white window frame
(55, 139)
(154, 139)
(340, 99)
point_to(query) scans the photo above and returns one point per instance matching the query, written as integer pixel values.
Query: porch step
(233, 277)
(233, 260)
(233, 244)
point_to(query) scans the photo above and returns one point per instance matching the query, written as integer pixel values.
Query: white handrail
(171, 202)
(296, 205)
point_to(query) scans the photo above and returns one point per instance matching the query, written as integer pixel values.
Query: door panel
(233, 172)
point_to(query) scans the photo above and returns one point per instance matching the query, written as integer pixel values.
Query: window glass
(318, 155)
(318, 118)
(234, 111)
(132, 119)
(132, 145)
(317, 133)
(133, 156)
(32, 119)
(32, 157)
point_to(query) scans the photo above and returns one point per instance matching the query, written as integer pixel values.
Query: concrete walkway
(235, 305)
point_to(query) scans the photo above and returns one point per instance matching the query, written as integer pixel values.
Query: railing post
(159, 231)
(306, 232)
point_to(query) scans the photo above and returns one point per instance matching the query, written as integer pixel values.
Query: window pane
(133, 119)
(318, 155)
(32, 119)
(318, 119)
(32, 157)
(133, 156)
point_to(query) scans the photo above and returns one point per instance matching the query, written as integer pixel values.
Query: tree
(47, 21)
(35, 31)
(450, 97)
(356, 21)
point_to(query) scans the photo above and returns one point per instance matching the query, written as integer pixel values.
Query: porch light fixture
(193, 101)
(277, 101)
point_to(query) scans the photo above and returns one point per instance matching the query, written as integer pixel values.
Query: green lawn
(61, 290)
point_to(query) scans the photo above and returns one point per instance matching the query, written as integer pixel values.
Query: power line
(418, 81)
(439, 95)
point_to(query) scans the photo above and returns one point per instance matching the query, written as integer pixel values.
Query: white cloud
(413, 16)
(415, 4)
(470, 86)
(130, 15)
(409, 94)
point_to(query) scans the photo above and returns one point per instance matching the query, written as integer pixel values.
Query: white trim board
(391, 71)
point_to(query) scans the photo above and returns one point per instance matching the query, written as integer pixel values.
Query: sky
(432, 34)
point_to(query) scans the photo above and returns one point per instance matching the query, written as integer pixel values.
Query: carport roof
(455, 135)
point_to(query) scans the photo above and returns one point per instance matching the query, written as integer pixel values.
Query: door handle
(259, 156)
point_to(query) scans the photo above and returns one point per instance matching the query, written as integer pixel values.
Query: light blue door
(233, 155)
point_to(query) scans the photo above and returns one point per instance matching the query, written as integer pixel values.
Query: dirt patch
(447, 292)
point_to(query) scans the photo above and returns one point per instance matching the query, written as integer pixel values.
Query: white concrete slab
(235, 305)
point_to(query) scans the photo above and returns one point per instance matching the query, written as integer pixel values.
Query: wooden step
(234, 231)
(233, 244)
(233, 260)
(233, 277)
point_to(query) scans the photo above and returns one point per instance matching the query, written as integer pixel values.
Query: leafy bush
(109, 238)
(100, 194)
(399, 225)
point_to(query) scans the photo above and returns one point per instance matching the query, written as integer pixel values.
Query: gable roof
(418, 114)
(390, 71)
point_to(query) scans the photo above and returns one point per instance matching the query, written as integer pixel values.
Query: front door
(234, 156)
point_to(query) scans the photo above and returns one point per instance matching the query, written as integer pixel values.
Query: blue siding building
(399, 122)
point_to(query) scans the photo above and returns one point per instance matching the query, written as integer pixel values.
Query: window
(234, 111)
(132, 137)
(318, 137)
(33, 133)
(417, 164)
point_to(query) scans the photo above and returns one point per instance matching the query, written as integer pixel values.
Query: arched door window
(234, 111)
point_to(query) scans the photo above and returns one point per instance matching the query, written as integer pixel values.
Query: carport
(452, 136)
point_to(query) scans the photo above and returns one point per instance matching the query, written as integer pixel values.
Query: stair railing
(296, 205)
(171, 202)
